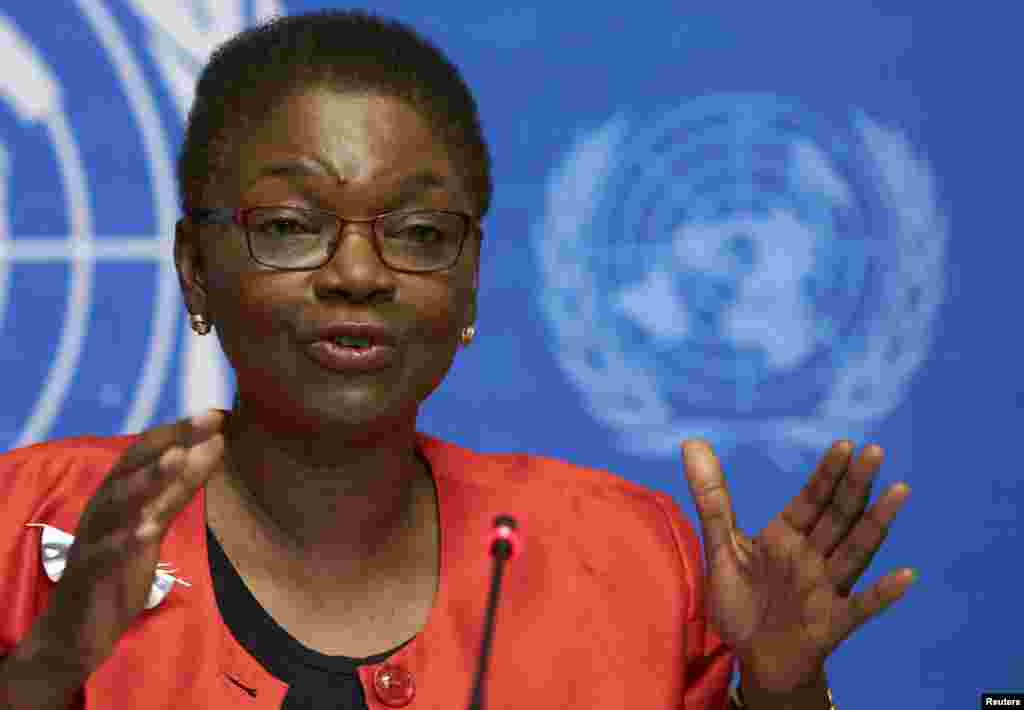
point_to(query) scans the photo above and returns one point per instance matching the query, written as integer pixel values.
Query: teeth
(350, 341)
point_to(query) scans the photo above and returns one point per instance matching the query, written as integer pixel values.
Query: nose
(355, 270)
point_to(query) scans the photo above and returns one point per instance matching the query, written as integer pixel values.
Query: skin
(322, 502)
(783, 600)
(313, 484)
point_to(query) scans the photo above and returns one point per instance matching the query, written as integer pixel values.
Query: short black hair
(349, 50)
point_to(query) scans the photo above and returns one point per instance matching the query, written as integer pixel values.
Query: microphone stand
(504, 545)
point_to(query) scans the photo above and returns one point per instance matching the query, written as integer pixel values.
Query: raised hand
(782, 600)
(112, 562)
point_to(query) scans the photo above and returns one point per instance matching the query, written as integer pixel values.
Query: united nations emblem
(741, 269)
(88, 291)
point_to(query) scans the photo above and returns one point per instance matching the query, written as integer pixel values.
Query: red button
(394, 686)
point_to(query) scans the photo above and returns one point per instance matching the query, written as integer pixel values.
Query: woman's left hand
(782, 600)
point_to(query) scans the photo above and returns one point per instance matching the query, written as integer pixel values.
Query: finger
(151, 444)
(137, 477)
(707, 487)
(848, 502)
(118, 508)
(206, 425)
(186, 473)
(807, 507)
(872, 602)
(117, 503)
(848, 562)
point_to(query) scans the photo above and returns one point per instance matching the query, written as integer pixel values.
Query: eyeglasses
(297, 239)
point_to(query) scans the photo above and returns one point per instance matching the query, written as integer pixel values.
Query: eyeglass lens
(292, 238)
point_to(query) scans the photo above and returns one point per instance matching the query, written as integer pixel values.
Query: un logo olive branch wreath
(181, 38)
(868, 381)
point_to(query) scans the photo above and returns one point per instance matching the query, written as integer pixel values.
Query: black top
(315, 681)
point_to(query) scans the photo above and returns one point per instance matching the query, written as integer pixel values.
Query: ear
(188, 260)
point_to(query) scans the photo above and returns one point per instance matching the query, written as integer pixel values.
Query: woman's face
(356, 155)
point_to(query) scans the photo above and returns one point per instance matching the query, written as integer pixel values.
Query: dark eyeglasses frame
(236, 216)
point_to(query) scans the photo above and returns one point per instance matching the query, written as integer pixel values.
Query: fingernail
(172, 459)
(147, 531)
(204, 425)
(693, 444)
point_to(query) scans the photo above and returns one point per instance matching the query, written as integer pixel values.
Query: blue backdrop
(768, 226)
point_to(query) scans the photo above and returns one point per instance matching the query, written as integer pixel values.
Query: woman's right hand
(113, 560)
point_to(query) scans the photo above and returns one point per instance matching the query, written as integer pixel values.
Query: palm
(782, 600)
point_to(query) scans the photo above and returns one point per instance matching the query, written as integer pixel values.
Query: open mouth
(349, 341)
(352, 353)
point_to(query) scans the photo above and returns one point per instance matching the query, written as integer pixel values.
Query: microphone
(505, 545)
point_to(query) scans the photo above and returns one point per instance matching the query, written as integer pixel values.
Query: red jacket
(603, 610)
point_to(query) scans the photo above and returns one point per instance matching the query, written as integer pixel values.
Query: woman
(333, 179)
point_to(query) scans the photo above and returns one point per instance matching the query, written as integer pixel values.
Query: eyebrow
(297, 167)
(409, 187)
(414, 185)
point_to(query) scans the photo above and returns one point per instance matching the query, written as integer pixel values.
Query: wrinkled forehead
(358, 138)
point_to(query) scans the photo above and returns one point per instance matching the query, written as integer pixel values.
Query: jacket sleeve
(709, 662)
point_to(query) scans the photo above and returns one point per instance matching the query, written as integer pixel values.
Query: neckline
(266, 640)
(241, 664)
